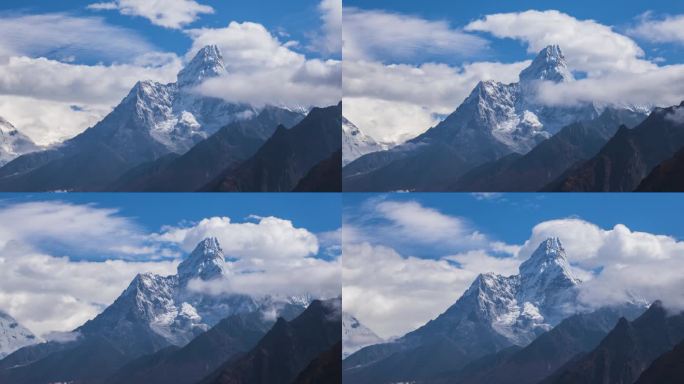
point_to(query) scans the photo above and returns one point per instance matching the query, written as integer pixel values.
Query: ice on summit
(549, 65)
(206, 262)
(207, 63)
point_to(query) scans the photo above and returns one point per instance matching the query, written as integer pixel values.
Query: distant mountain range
(525, 329)
(160, 331)
(167, 137)
(630, 156)
(502, 138)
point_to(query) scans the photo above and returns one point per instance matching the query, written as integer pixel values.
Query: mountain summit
(207, 63)
(205, 262)
(549, 65)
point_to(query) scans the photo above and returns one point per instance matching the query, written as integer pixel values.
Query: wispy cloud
(379, 35)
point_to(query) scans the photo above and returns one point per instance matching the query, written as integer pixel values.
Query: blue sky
(298, 19)
(619, 14)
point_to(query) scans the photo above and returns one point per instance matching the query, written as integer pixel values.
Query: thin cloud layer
(668, 29)
(99, 232)
(68, 38)
(378, 35)
(168, 13)
(330, 40)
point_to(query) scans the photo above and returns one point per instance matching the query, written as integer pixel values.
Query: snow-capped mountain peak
(13, 335)
(549, 65)
(207, 63)
(155, 311)
(548, 260)
(518, 307)
(205, 262)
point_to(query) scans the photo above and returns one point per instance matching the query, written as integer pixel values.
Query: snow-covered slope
(13, 143)
(356, 335)
(521, 306)
(355, 143)
(510, 114)
(155, 311)
(175, 115)
(13, 335)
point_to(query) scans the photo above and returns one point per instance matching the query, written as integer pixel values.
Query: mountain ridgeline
(504, 138)
(528, 328)
(168, 137)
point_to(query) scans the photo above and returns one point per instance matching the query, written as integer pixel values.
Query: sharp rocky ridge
(166, 311)
(522, 306)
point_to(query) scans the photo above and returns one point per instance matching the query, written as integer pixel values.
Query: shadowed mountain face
(226, 148)
(325, 369)
(325, 176)
(629, 156)
(287, 349)
(287, 156)
(154, 120)
(232, 336)
(668, 176)
(576, 334)
(666, 369)
(626, 351)
(496, 312)
(547, 161)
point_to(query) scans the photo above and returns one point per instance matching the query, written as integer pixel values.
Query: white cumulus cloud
(165, 13)
(263, 70)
